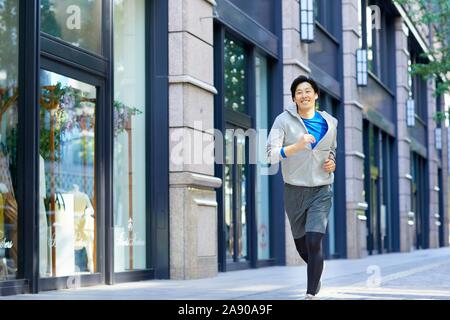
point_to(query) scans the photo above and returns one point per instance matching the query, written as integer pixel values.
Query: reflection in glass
(262, 180)
(129, 136)
(76, 21)
(242, 194)
(414, 194)
(235, 63)
(370, 40)
(360, 26)
(235, 188)
(67, 215)
(228, 189)
(9, 37)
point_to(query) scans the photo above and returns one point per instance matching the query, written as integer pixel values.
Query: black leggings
(310, 249)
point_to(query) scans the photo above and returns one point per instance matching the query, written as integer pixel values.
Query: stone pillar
(404, 161)
(193, 206)
(354, 156)
(295, 63)
(433, 190)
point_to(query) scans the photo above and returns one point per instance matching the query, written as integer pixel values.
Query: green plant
(122, 114)
(434, 14)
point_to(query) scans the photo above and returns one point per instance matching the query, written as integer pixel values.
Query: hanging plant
(72, 109)
(122, 115)
(50, 103)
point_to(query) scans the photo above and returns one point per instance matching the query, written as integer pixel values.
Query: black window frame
(101, 114)
(439, 125)
(420, 183)
(40, 49)
(441, 177)
(383, 42)
(244, 120)
(419, 85)
(379, 160)
(326, 17)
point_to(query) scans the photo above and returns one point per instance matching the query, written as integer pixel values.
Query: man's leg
(293, 198)
(315, 260)
(300, 244)
(316, 224)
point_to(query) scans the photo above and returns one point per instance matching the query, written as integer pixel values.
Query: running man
(304, 141)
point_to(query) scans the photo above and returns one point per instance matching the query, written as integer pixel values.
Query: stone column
(295, 63)
(433, 190)
(404, 161)
(354, 156)
(193, 206)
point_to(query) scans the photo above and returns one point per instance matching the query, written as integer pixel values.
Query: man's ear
(317, 96)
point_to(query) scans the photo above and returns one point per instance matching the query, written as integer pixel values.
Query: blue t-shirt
(317, 126)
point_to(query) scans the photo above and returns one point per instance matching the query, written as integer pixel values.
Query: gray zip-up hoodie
(305, 168)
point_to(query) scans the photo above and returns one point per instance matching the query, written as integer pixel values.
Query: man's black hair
(302, 79)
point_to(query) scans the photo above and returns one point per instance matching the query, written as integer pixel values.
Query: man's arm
(275, 151)
(275, 143)
(330, 164)
(332, 155)
(299, 145)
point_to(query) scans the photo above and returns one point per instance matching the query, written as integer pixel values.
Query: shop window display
(9, 93)
(67, 218)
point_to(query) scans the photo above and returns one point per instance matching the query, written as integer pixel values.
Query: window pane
(315, 10)
(9, 37)
(228, 189)
(79, 22)
(262, 180)
(67, 213)
(242, 196)
(235, 78)
(360, 26)
(129, 136)
(370, 40)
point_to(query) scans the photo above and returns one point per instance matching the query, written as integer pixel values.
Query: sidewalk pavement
(422, 274)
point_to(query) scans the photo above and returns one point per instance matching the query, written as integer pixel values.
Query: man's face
(305, 96)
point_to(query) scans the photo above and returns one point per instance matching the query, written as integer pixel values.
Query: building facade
(133, 136)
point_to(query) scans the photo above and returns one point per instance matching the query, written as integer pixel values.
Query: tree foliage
(235, 63)
(9, 40)
(434, 14)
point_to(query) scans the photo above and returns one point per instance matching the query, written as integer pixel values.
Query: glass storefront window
(242, 196)
(9, 55)
(235, 77)
(235, 198)
(262, 180)
(370, 40)
(67, 215)
(78, 22)
(228, 189)
(360, 23)
(130, 192)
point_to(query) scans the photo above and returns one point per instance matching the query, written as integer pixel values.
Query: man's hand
(299, 145)
(329, 166)
(305, 140)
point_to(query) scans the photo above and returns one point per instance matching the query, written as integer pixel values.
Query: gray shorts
(307, 208)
